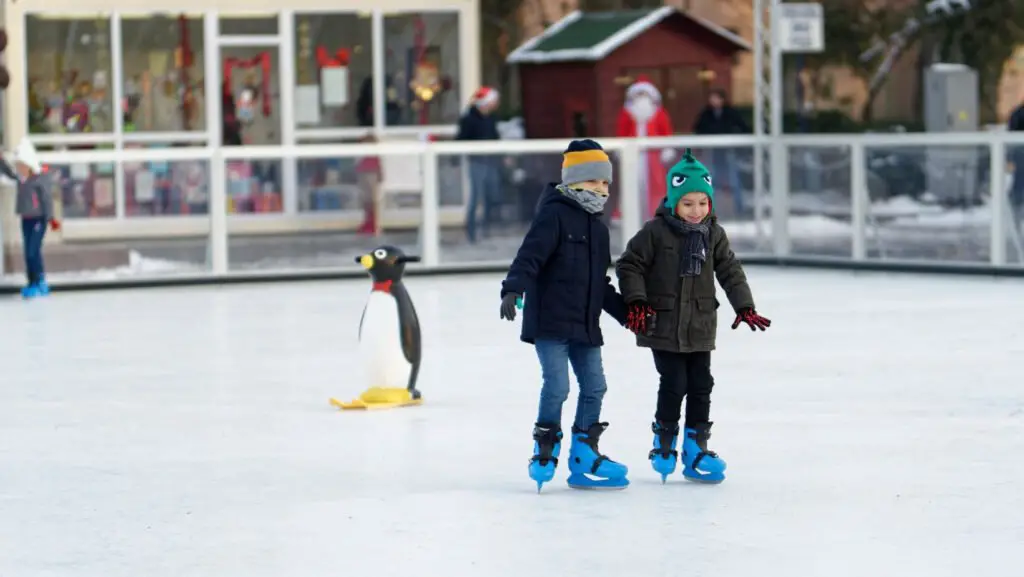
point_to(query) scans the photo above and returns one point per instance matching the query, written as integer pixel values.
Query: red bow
(382, 286)
(324, 60)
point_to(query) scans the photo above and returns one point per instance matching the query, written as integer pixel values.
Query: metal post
(117, 89)
(430, 226)
(629, 204)
(379, 84)
(218, 239)
(779, 165)
(859, 201)
(759, 119)
(286, 71)
(997, 194)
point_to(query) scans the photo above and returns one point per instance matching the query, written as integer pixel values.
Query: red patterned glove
(640, 318)
(54, 224)
(753, 320)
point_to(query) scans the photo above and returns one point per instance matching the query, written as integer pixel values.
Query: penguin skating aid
(389, 336)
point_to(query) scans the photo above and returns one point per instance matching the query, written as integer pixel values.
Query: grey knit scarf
(591, 201)
(695, 244)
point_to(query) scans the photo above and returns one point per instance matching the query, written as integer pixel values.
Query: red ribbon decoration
(262, 59)
(325, 60)
(382, 286)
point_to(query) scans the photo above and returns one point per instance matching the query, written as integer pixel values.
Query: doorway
(252, 113)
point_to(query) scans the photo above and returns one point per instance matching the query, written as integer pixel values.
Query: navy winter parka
(562, 269)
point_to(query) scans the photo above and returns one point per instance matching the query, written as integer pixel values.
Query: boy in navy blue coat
(561, 272)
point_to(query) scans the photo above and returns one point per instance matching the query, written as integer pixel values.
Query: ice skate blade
(704, 480)
(584, 483)
(378, 398)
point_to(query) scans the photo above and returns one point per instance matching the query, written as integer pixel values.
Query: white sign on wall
(801, 27)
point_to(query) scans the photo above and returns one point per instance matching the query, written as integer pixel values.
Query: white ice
(877, 429)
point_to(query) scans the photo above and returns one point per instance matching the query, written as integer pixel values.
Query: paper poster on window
(145, 186)
(307, 104)
(334, 86)
(79, 171)
(103, 193)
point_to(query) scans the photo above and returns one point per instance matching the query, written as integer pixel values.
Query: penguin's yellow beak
(367, 261)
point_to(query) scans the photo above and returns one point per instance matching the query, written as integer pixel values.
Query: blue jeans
(484, 185)
(32, 232)
(555, 357)
(723, 163)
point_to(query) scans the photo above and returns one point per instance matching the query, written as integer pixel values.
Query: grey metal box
(951, 105)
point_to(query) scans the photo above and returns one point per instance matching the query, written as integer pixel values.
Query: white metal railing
(430, 218)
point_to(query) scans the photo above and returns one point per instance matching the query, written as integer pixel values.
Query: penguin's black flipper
(409, 325)
(361, 318)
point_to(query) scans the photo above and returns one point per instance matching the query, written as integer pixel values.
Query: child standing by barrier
(666, 278)
(561, 270)
(34, 204)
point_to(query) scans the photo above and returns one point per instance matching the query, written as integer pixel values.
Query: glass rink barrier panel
(730, 162)
(929, 202)
(126, 214)
(1011, 169)
(321, 206)
(820, 219)
(489, 192)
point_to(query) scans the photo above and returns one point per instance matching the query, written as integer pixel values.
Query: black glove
(508, 306)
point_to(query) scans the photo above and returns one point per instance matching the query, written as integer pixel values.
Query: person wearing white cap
(478, 123)
(34, 204)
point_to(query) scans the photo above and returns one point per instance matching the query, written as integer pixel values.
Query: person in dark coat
(1016, 124)
(667, 278)
(561, 272)
(479, 123)
(719, 117)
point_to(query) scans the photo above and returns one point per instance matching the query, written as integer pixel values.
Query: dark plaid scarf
(695, 244)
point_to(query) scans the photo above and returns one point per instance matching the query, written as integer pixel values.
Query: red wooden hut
(576, 72)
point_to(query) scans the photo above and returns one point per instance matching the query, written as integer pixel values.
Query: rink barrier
(771, 200)
(484, 268)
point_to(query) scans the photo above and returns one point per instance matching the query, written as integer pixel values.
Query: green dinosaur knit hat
(688, 175)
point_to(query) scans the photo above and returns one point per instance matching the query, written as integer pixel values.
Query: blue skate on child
(664, 455)
(700, 464)
(547, 442)
(588, 468)
(30, 291)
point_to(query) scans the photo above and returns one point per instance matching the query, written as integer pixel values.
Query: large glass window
(69, 74)
(422, 68)
(163, 74)
(333, 69)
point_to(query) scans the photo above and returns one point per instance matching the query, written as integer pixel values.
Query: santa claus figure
(643, 116)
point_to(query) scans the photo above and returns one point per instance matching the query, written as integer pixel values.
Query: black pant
(684, 375)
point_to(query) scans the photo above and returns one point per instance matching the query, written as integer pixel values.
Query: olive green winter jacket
(686, 307)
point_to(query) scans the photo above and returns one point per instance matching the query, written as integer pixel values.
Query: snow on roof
(592, 36)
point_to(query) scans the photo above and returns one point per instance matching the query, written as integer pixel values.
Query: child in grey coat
(34, 204)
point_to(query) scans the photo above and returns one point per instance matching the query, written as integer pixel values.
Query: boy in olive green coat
(667, 277)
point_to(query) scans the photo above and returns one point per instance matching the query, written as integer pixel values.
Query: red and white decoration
(644, 116)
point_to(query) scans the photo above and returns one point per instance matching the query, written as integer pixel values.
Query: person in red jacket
(644, 116)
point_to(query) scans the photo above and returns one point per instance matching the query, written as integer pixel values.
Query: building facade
(123, 74)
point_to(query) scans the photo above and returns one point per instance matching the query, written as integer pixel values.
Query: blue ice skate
(700, 464)
(44, 288)
(30, 292)
(547, 443)
(664, 455)
(588, 468)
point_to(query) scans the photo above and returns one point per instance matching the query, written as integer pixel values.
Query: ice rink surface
(876, 429)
